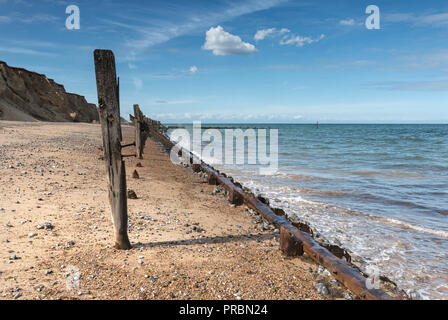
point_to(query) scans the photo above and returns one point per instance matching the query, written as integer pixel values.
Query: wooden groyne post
(139, 131)
(109, 111)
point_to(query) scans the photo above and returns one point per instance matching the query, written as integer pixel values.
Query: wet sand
(189, 243)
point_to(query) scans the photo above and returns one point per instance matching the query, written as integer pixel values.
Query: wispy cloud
(25, 51)
(441, 85)
(29, 19)
(347, 22)
(432, 19)
(193, 70)
(261, 34)
(172, 102)
(146, 34)
(286, 37)
(300, 41)
(243, 117)
(138, 83)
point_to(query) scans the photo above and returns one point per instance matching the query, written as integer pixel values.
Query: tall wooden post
(108, 107)
(139, 139)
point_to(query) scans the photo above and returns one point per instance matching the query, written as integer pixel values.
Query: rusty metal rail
(344, 272)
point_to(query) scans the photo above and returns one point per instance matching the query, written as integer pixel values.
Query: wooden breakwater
(295, 238)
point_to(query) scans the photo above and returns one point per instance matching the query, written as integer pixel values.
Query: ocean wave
(297, 176)
(409, 226)
(397, 174)
(390, 221)
(321, 192)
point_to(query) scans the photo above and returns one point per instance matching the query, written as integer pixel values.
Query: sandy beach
(189, 243)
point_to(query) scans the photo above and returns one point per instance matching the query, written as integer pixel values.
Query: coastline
(189, 243)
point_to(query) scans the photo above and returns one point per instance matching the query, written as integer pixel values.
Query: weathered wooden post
(138, 121)
(108, 106)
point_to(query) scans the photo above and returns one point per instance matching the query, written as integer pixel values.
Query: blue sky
(245, 61)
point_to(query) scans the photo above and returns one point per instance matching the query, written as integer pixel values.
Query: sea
(378, 190)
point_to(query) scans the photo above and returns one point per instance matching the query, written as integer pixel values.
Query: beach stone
(414, 295)
(32, 235)
(348, 296)
(132, 195)
(70, 244)
(46, 226)
(135, 175)
(322, 289)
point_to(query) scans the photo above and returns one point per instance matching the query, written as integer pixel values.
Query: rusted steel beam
(109, 111)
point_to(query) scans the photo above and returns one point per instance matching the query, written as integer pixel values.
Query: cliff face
(28, 96)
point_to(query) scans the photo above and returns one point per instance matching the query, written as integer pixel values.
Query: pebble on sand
(322, 289)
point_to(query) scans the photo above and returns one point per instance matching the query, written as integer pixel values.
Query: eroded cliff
(30, 96)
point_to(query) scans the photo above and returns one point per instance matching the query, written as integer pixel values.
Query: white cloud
(223, 43)
(300, 41)
(193, 70)
(347, 22)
